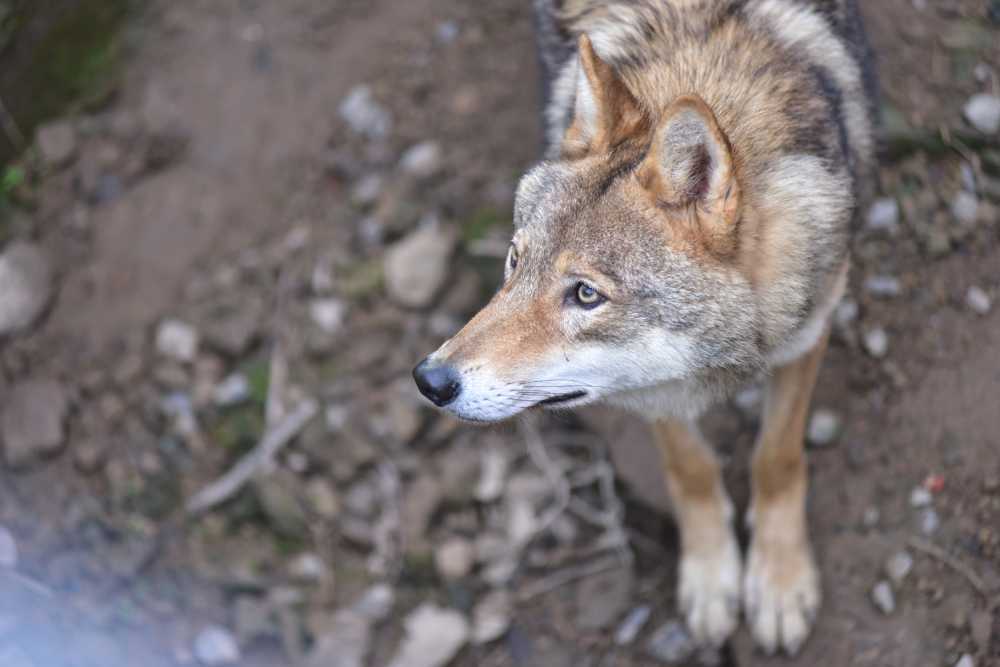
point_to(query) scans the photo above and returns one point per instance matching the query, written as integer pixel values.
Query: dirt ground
(220, 188)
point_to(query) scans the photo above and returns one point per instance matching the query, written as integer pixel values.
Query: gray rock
(323, 498)
(177, 340)
(846, 313)
(883, 286)
(978, 300)
(416, 267)
(883, 216)
(277, 496)
(56, 143)
(233, 390)
(328, 314)
(25, 286)
(434, 636)
(364, 115)
(366, 191)
(32, 421)
(233, 325)
(422, 160)
(602, 599)
(491, 617)
(965, 661)
(898, 566)
(308, 567)
(632, 625)
(920, 497)
(876, 342)
(8, 549)
(983, 112)
(964, 207)
(671, 643)
(883, 598)
(454, 558)
(446, 32)
(824, 428)
(215, 645)
(375, 603)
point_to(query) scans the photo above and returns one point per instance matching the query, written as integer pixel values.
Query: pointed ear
(690, 162)
(604, 111)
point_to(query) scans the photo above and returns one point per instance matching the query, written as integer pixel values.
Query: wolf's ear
(604, 111)
(691, 162)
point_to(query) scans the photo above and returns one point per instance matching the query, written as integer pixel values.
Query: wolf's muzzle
(438, 382)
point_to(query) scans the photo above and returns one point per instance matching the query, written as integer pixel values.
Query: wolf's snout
(437, 382)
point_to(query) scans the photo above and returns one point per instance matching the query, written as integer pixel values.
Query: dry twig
(257, 459)
(954, 563)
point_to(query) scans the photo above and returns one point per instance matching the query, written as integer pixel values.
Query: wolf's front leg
(781, 591)
(709, 577)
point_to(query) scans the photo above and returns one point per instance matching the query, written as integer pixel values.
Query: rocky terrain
(214, 284)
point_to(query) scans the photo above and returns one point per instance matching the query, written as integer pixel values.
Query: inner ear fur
(690, 164)
(605, 113)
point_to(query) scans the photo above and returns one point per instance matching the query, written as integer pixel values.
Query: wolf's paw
(781, 596)
(709, 593)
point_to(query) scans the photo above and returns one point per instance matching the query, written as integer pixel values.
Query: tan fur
(781, 593)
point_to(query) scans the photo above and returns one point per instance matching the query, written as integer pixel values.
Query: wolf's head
(620, 276)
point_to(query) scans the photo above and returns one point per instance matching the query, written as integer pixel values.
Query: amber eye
(587, 296)
(512, 257)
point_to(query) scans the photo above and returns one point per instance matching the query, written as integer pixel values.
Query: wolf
(687, 230)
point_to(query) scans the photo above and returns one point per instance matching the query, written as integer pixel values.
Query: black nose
(437, 382)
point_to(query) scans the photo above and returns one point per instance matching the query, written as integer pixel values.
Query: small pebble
(177, 340)
(824, 428)
(898, 566)
(364, 115)
(978, 300)
(883, 598)
(491, 617)
(216, 646)
(632, 625)
(671, 643)
(871, 517)
(920, 497)
(883, 286)
(846, 313)
(930, 521)
(366, 191)
(8, 549)
(883, 216)
(422, 160)
(234, 389)
(446, 32)
(328, 314)
(983, 112)
(876, 342)
(307, 567)
(965, 661)
(454, 558)
(965, 207)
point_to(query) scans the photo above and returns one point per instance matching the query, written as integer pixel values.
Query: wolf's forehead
(545, 193)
